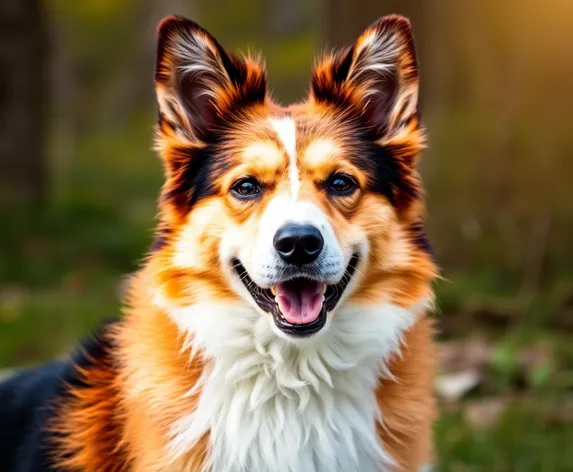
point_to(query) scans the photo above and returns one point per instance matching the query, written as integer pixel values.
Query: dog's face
(293, 211)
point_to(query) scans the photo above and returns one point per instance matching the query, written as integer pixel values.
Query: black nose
(298, 244)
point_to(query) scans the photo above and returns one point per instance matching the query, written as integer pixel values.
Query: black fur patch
(93, 351)
(27, 402)
(161, 238)
(25, 409)
(193, 179)
(420, 238)
(380, 165)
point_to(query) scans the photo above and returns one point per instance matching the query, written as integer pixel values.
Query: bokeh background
(78, 186)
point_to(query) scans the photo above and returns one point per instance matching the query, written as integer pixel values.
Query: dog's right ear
(198, 84)
(378, 76)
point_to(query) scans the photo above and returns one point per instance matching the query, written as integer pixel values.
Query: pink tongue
(300, 304)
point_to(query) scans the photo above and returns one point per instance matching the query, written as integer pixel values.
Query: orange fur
(89, 423)
(407, 401)
(121, 422)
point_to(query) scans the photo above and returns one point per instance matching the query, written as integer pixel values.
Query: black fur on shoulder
(27, 402)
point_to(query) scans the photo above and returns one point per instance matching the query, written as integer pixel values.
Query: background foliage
(78, 204)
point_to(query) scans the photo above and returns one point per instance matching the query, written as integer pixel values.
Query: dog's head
(292, 211)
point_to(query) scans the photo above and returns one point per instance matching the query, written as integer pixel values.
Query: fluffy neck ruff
(268, 404)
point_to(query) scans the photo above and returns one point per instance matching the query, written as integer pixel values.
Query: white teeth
(324, 287)
(273, 290)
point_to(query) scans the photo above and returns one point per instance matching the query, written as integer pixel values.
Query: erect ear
(198, 84)
(377, 75)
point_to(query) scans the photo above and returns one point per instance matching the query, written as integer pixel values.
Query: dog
(281, 321)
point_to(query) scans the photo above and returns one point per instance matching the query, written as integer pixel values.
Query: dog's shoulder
(25, 401)
(29, 402)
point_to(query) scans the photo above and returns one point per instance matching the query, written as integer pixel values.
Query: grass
(531, 436)
(61, 274)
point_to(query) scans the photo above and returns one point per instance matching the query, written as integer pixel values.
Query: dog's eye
(342, 184)
(247, 187)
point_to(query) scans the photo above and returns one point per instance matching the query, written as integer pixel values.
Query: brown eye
(246, 188)
(341, 184)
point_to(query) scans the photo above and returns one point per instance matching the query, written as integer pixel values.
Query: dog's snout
(298, 244)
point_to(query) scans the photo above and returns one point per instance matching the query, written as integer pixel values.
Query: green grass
(531, 436)
(61, 271)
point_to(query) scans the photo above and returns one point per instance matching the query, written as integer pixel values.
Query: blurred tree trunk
(23, 88)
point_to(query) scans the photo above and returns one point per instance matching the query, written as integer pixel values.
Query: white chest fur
(272, 406)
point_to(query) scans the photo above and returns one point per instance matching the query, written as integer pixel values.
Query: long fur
(196, 376)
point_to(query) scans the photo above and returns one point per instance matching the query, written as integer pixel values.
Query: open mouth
(299, 305)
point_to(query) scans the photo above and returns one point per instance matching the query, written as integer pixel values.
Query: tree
(23, 88)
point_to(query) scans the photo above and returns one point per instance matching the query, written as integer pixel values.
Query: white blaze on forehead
(286, 132)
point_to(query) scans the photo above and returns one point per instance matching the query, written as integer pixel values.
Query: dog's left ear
(377, 76)
(199, 85)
